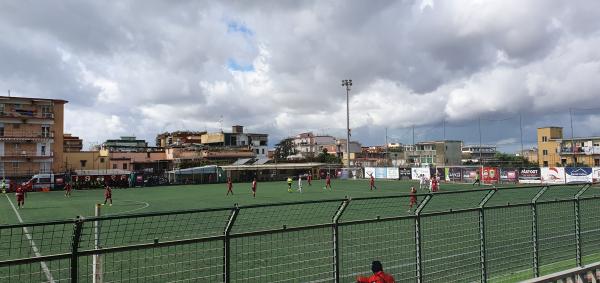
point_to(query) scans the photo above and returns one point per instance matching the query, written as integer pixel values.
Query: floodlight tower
(347, 84)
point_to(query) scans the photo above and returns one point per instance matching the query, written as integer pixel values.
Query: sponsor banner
(530, 175)
(509, 175)
(596, 174)
(579, 174)
(553, 175)
(392, 173)
(369, 171)
(417, 172)
(455, 174)
(380, 173)
(469, 174)
(405, 173)
(490, 175)
(441, 173)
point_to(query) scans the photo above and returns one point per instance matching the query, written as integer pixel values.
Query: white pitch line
(36, 251)
(131, 210)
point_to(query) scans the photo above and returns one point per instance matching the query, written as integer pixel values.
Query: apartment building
(441, 153)
(556, 150)
(478, 153)
(72, 143)
(31, 135)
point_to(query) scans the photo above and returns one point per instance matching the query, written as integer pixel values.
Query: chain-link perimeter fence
(482, 235)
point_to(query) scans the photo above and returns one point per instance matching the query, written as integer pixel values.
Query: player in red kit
(107, 194)
(372, 183)
(20, 194)
(254, 188)
(435, 185)
(328, 182)
(68, 189)
(309, 179)
(378, 275)
(413, 198)
(229, 186)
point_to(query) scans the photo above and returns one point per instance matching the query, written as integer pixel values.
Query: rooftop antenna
(9, 93)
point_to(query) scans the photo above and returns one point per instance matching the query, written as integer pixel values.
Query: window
(545, 152)
(544, 139)
(44, 180)
(45, 131)
(263, 151)
(545, 163)
(16, 146)
(1, 129)
(15, 164)
(101, 159)
(114, 166)
(17, 106)
(16, 126)
(563, 161)
(596, 162)
(46, 111)
(43, 150)
(124, 166)
(83, 162)
(257, 151)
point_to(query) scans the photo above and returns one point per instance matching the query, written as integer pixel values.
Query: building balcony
(26, 114)
(26, 154)
(26, 136)
(580, 150)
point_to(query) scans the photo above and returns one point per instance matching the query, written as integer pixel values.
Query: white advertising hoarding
(553, 175)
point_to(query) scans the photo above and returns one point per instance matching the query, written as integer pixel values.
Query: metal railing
(485, 235)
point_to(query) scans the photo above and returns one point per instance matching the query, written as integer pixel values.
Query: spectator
(378, 275)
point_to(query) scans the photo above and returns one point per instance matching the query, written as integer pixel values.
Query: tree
(284, 149)
(510, 160)
(325, 157)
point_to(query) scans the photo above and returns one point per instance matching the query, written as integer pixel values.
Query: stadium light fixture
(347, 84)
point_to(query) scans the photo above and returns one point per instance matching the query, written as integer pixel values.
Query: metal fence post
(418, 237)
(336, 240)
(534, 233)
(77, 226)
(226, 244)
(576, 206)
(482, 250)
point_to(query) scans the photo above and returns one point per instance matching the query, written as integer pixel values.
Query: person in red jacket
(309, 179)
(378, 275)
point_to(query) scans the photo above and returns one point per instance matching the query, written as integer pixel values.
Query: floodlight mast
(347, 84)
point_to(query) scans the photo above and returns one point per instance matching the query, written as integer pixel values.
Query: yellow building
(555, 150)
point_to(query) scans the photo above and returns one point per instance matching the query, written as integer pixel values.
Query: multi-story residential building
(440, 153)
(305, 145)
(72, 143)
(31, 135)
(478, 153)
(179, 138)
(355, 150)
(126, 144)
(257, 143)
(554, 149)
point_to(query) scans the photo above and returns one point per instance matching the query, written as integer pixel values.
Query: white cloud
(150, 67)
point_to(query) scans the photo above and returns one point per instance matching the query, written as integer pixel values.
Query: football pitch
(289, 241)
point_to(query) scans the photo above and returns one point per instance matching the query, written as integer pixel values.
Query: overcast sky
(144, 67)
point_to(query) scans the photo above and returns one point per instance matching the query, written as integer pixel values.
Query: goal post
(96, 258)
